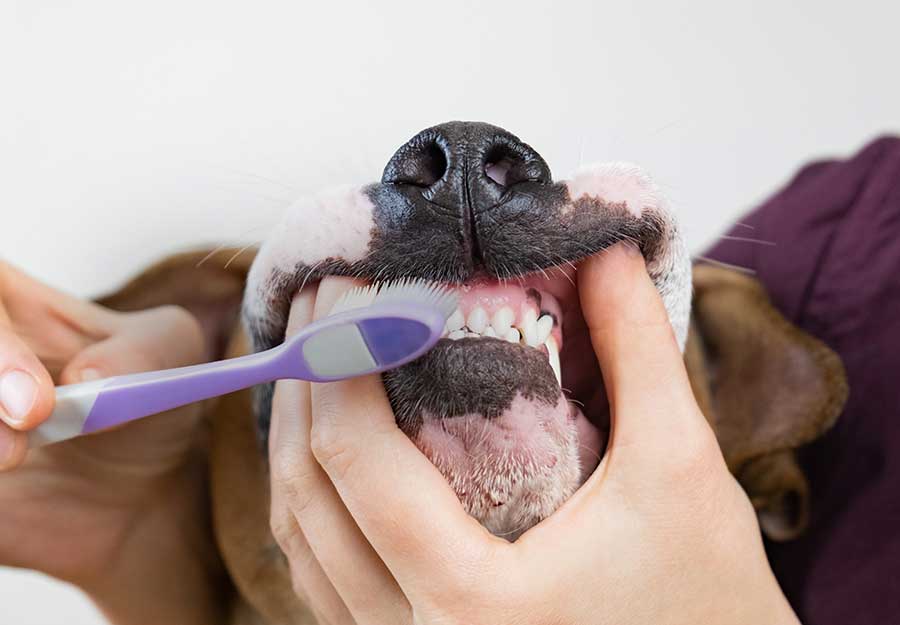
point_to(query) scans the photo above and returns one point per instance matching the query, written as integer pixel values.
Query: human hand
(115, 511)
(660, 533)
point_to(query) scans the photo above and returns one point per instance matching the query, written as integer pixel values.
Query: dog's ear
(766, 388)
(208, 283)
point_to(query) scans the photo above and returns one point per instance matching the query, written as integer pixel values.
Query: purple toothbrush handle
(398, 335)
(347, 344)
(128, 397)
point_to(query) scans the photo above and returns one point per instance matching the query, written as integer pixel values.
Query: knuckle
(282, 468)
(294, 479)
(332, 453)
(284, 528)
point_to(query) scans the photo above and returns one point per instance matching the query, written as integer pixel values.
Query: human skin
(660, 533)
(121, 514)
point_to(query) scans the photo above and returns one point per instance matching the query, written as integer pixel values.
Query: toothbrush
(369, 330)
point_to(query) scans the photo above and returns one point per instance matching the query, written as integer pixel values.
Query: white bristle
(412, 290)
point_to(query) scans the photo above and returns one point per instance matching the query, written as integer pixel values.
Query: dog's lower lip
(580, 377)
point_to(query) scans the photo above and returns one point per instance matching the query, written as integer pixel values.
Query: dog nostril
(421, 164)
(506, 165)
(497, 171)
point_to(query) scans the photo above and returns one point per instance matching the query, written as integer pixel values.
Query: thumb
(651, 402)
(160, 338)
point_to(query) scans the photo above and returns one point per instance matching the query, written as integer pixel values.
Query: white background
(129, 130)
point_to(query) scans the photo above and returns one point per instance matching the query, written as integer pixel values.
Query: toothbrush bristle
(405, 290)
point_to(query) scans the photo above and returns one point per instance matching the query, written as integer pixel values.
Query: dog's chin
(491, 414)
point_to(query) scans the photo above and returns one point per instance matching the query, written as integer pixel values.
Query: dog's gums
(510, 404)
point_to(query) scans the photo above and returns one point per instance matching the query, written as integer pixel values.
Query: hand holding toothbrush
(69, 510)
(660, 533)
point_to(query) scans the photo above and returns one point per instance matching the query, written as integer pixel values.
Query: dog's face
(510, 405)
(513, 430)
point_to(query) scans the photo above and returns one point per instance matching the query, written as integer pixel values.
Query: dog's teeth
(553, 357)
(473, 335)
(544, 327)
(456, 335)
(489, 332)
(478, 320)
(502, 320)
(456, 321)
(512, 335)
(528, 324)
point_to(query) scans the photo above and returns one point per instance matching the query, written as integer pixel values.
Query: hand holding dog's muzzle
(661, 532)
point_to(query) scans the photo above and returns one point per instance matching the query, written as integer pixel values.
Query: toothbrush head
(375, 328)
(408, 290)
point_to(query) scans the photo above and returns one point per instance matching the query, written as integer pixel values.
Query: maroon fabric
(834, 270)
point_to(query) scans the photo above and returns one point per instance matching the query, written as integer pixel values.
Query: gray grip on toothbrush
(73, 405)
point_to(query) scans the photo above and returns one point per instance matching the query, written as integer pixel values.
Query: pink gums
(491, 296)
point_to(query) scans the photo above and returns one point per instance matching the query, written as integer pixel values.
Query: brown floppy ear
(766, 388)
(208, 283)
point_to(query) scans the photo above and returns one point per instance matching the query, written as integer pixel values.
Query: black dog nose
(465, 165)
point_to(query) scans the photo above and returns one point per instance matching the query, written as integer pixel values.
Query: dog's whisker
(593, 452)
(238, 253)
(747, 240)
(515, 530)
(250, 174)
(210, 255)
(724, 265)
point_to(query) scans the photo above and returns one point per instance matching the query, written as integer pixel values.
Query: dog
(509, 406)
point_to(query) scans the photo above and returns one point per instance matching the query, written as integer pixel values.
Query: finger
(26, 388)
(642, 367)
(359, 576)
(159, 338)
(401, 502)
(309, 581)
(13, 446)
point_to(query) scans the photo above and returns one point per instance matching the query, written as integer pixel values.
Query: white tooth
(553, 357)
(502, 320)
(489, 332)
(512, 335)
(456, 321)
(456, 335)
(477, 320)
(473, 335)
(528, 324)
(544, 327)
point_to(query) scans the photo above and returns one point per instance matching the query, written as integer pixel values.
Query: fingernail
(7, 446)
(90, 374)
(18, 392)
